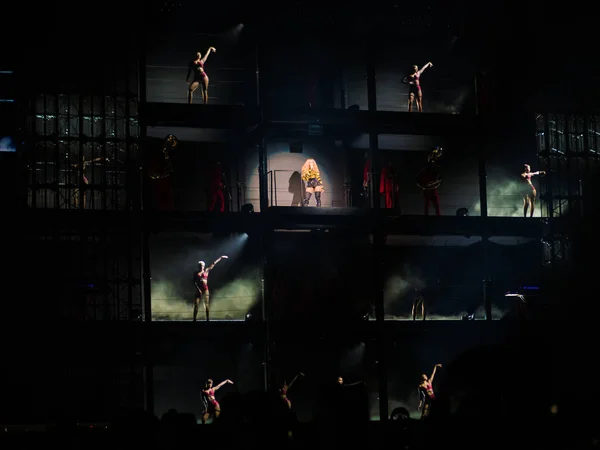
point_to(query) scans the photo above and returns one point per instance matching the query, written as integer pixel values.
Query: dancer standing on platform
(201, 283)
(217, 187)
(426, 394)
(388, 187)
(430, 179)
(200, 78)
(283, 390)
(211, 407)
(312, 177)
(529, 194)
(419, 304)
(414, 92)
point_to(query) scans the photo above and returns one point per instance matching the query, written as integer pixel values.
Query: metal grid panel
(568, 148)
(101, 274)
(81, 150)
(565, 153)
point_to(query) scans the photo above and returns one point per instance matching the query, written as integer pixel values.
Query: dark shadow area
(320, 276)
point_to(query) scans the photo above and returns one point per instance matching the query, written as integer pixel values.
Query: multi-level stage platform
(288, 218)
(280, 121)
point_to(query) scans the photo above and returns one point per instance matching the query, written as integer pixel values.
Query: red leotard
(201, 280)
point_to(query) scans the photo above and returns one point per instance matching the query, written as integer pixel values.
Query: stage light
(468, 317)
(248, 317)
(248, 208)
(462, 212)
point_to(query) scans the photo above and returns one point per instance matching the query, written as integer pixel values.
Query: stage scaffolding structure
(81, 152)
(568, 147)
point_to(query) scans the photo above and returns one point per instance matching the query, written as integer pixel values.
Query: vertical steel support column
(266, 313)
(146, 275)
(264, 205)
(372, 117)
(481, 151)
(586, 154)
(378, 234)
(260, 146)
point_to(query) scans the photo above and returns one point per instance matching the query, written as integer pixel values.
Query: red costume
(429, 180)
(216, 190)
(387, 186)
(209, 401)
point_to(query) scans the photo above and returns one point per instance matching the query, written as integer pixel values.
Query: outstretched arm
(222, 383)
(354, 384)
(295, 378)
(212, 266)
(210, 49)
(433, 373)
(426, 66)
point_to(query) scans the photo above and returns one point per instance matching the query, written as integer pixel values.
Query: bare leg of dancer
(196, 305)
(423, 312)
(532, 202)
(525, 205)
(205, 90)
(420, 102)
(206, 305)
(411, 99)
(193, 86)
(205, 418)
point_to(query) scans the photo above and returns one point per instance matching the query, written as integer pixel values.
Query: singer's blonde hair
(307, 164)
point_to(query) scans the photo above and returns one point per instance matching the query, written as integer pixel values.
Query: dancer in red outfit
(530, 194)
(211, 407)
(201, 284)
(414, 92)
(200, 78)
(283, 391)
(388, 186)
(160, 170)
(429, 180)
(216, 189)
(426, 394)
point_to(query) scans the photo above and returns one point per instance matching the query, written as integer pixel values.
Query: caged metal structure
(82, 154)
(568, 147)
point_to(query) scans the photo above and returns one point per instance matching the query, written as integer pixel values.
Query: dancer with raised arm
(311, 175)
(529, 194)
(211, 407)
(414, 92)
(426, 394)
(283, 390)
(200, 78)
(201, 283)
(81, 192)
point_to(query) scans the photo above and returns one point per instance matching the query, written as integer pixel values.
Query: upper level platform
(353, 220)
(283, 121)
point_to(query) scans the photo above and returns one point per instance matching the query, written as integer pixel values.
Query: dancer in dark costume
(311, 175)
